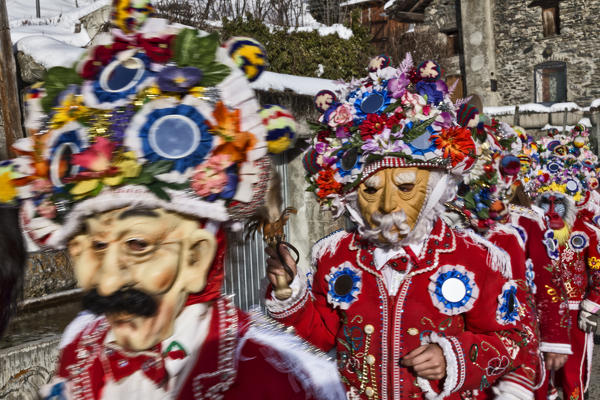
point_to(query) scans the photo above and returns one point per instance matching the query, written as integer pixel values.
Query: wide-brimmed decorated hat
(158, 115)
(395, 117)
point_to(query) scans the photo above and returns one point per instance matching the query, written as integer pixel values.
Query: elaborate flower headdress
(394, 117)
(157, 115)
(566, 165)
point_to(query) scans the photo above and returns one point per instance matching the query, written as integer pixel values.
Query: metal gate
(245, 261)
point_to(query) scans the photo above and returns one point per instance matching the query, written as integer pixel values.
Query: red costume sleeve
(549, 292)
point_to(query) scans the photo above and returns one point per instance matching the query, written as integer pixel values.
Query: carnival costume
(376, 302)
(564, 174)
(158, 123)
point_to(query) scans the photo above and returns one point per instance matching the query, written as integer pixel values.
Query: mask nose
(389, 202)
(113, 274)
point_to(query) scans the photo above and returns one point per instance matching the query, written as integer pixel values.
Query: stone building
(516, 52)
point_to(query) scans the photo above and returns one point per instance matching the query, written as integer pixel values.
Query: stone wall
(520, 46)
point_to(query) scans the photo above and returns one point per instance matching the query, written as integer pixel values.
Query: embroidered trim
(561, 348)
(278, 308)
(551, 245)
(453, 289)
(461, 363)
(226, 366)
(512, 390)
(384, 337)
(398, 341)
(450, 382)
(530, 276)
(327, 245)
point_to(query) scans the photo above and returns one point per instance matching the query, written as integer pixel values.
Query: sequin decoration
(453, 289)
(345, 283)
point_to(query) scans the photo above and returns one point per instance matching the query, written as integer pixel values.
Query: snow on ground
(58, 20)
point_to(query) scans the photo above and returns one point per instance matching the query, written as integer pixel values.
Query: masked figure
(560, 183)
(482, 204)
(413, 308)
(141, 158)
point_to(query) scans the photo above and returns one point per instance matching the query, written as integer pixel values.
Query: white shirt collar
(381, 256)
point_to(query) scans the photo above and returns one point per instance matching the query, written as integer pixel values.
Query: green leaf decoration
(57, 79)
(392, 107)
(469, 201)
(157, 189)
(214, 74)
(483, 214)
(194, 51)
(159, 167)
(417, 130)
(96, 191)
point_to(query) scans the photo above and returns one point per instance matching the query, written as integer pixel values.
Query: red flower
(456, 143)
(323, 135)
(327, 183)
(394, 120)
(99, 57)
(159, 48)
(372, 125)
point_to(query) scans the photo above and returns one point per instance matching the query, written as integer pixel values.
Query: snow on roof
(389, 4)
(584, 121)
(297, 84)
(533, 108)
(353, 2)
(342, 31)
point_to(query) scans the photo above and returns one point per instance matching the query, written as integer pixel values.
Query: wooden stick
(9, 94)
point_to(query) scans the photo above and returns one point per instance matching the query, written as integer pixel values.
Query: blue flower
(429, 89)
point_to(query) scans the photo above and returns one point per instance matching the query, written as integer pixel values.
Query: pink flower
(47, 209)
(210, 177)
(341, 116)
(97, 157)
(417, 106)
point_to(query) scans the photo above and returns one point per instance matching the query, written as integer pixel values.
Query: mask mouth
(123, 304)
(555, 222)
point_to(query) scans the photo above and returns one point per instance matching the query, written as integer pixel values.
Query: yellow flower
(594, 263)
(128, 167)
(71, 109)
(7, 190)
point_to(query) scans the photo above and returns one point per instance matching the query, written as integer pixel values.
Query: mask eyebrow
(405, 177)
(138, 212)
(373, 181)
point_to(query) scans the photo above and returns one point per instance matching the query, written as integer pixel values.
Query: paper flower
(158, 48)
(372, 125)
(210, 177)
(327, 184)
(429, 89)
(178, 80)
(97, 157)
(340, 115)
(7, 189)
(455, 142)
(234, 142)
(70, 109)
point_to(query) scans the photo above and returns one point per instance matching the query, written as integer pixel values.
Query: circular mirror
(372, 103)
(119, 76)
(61, 165)
(174, 136)
(454, 290)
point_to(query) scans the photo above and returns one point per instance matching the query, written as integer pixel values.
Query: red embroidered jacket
(229, 365)
(453, 295)
(530, 372)
(579, 262)
(544, 281)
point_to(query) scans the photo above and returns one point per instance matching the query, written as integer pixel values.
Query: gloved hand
(587, 321)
